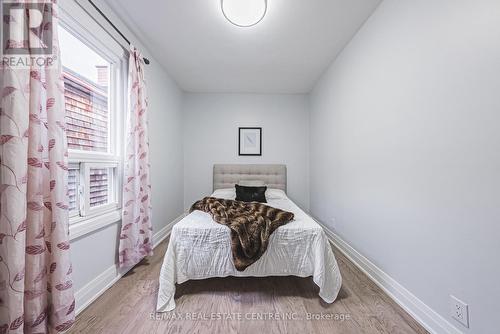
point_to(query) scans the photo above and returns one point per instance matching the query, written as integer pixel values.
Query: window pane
(99, 186)
(73, 183)
(86, 78)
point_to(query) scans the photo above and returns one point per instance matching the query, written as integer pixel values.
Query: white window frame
(112, 189)
(76, 212)
(75, 19)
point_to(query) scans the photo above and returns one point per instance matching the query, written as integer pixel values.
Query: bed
(199, 248)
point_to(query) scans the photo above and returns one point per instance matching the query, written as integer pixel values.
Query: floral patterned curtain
(36, 294)
(136, 231)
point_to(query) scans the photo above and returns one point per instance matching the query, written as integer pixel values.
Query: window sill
(84, 226)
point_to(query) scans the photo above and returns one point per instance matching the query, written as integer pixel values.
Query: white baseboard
(162, 234)
(92, 290)
(422, 313)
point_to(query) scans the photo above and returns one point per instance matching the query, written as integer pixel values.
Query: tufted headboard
(226, 176)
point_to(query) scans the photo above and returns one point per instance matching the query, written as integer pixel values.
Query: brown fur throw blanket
(251, 225)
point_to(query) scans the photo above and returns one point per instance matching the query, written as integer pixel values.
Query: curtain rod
(146, 60)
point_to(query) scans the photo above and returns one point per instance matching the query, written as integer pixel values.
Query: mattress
(200, 248)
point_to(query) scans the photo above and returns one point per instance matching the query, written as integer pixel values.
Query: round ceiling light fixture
(244, 13)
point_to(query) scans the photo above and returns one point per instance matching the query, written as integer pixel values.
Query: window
(73, 188)
(94, 92)
(101, 191)
(86, 112)
(86, 93)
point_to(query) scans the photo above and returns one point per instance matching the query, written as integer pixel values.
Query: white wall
(211, 124)
(94, 253)
(405, 150)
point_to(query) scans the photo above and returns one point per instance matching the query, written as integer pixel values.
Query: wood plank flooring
(240, 305)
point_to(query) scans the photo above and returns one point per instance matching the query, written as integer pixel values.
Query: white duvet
(200, 248)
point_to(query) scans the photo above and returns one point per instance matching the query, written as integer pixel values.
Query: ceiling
(285, 53)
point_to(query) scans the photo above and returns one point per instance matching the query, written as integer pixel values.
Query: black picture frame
(240, 143)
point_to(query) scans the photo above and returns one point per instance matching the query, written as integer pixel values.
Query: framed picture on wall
(250, 141)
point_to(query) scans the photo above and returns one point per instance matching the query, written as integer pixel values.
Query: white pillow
(226, 193)
(275, 194)
(251, 183)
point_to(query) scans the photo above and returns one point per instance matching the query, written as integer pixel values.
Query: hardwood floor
(239, 305)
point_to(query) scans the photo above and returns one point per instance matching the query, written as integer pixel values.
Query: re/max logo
(27, 28)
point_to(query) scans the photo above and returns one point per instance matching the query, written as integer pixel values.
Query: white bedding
(200, 248)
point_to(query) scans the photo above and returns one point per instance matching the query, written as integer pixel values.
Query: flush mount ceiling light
(244, 13)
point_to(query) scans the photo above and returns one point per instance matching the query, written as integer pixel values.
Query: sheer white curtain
(136, 232)
(36, 290)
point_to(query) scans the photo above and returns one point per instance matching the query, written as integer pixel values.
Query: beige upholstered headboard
(226, 176)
